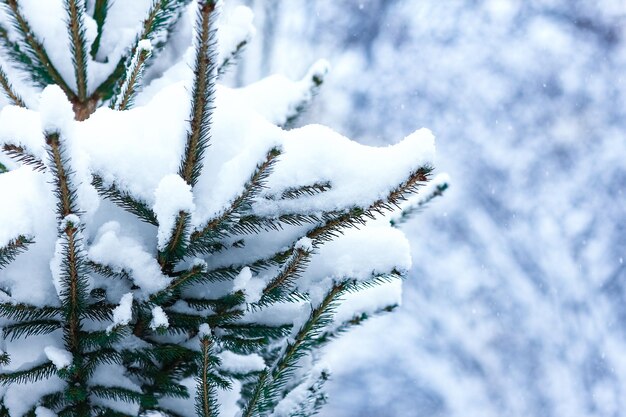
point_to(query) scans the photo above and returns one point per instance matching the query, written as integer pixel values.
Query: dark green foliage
(125, 200)
(76, 27)
(14, 248)
(206, 404)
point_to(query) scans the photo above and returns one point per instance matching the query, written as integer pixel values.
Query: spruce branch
(73, 268)
(12, 249)
(34, 374)
(418, 204)
(303, 191)
(206, 402)
(30, 328)
(198, 136)
(269, 388)
(202, 94)
(162, 17)
(314, 80)
(9, 91)
(134, 74)
(220, 226)
(20, 154)
(315, 398)
(24, 312)
(34, 58)
(281, 286)
(78, 44)
(59, 165)
(125, 200)
(107, 271)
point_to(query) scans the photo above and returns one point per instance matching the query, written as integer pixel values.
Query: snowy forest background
(516, 303)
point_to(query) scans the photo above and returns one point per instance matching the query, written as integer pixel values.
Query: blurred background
(516, 304)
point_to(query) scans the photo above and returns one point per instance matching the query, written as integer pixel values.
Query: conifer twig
(198, 136)
(160, 17)
(12, 249)
(269, 384)
(125, 200)
(134, 73)
(280, 286)
(19, 154)
(76, 27)
(220, 226)
(38, 57)
(202, 94)
(9, 91)
(73, 268)
(206, 403)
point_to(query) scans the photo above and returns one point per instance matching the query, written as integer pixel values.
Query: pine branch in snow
(9, 90)
(153, 272)
(19, 154)
(30, 53)
(76, 27)
(134, 74)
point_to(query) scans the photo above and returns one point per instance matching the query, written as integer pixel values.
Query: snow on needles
(123, 253)
(172, 196)
(123, 313)
(61, 358)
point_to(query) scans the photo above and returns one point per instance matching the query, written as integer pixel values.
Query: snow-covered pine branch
(183, 256)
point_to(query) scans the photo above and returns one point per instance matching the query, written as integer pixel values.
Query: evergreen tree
(165, 248)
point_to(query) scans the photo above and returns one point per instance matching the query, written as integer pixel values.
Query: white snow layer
(61, 358)
(241, 364)
(159, 319)
(123, 253)
(172, 196)
(123, 313)
(252, 287)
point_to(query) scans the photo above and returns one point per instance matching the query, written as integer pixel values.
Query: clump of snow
(144, 45)
(172, 196)
(124, 253)
(235, 28)
(28, 209)
(71, 220)
(22, 127)
(123, 313)
(304, 243)
(44, 412)
(318, 70)
(55, 109)
(241, 364)
(276, 98)
(252, 287)
(61, 358)
(159, 319)
(358, 254)
(204, 331)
